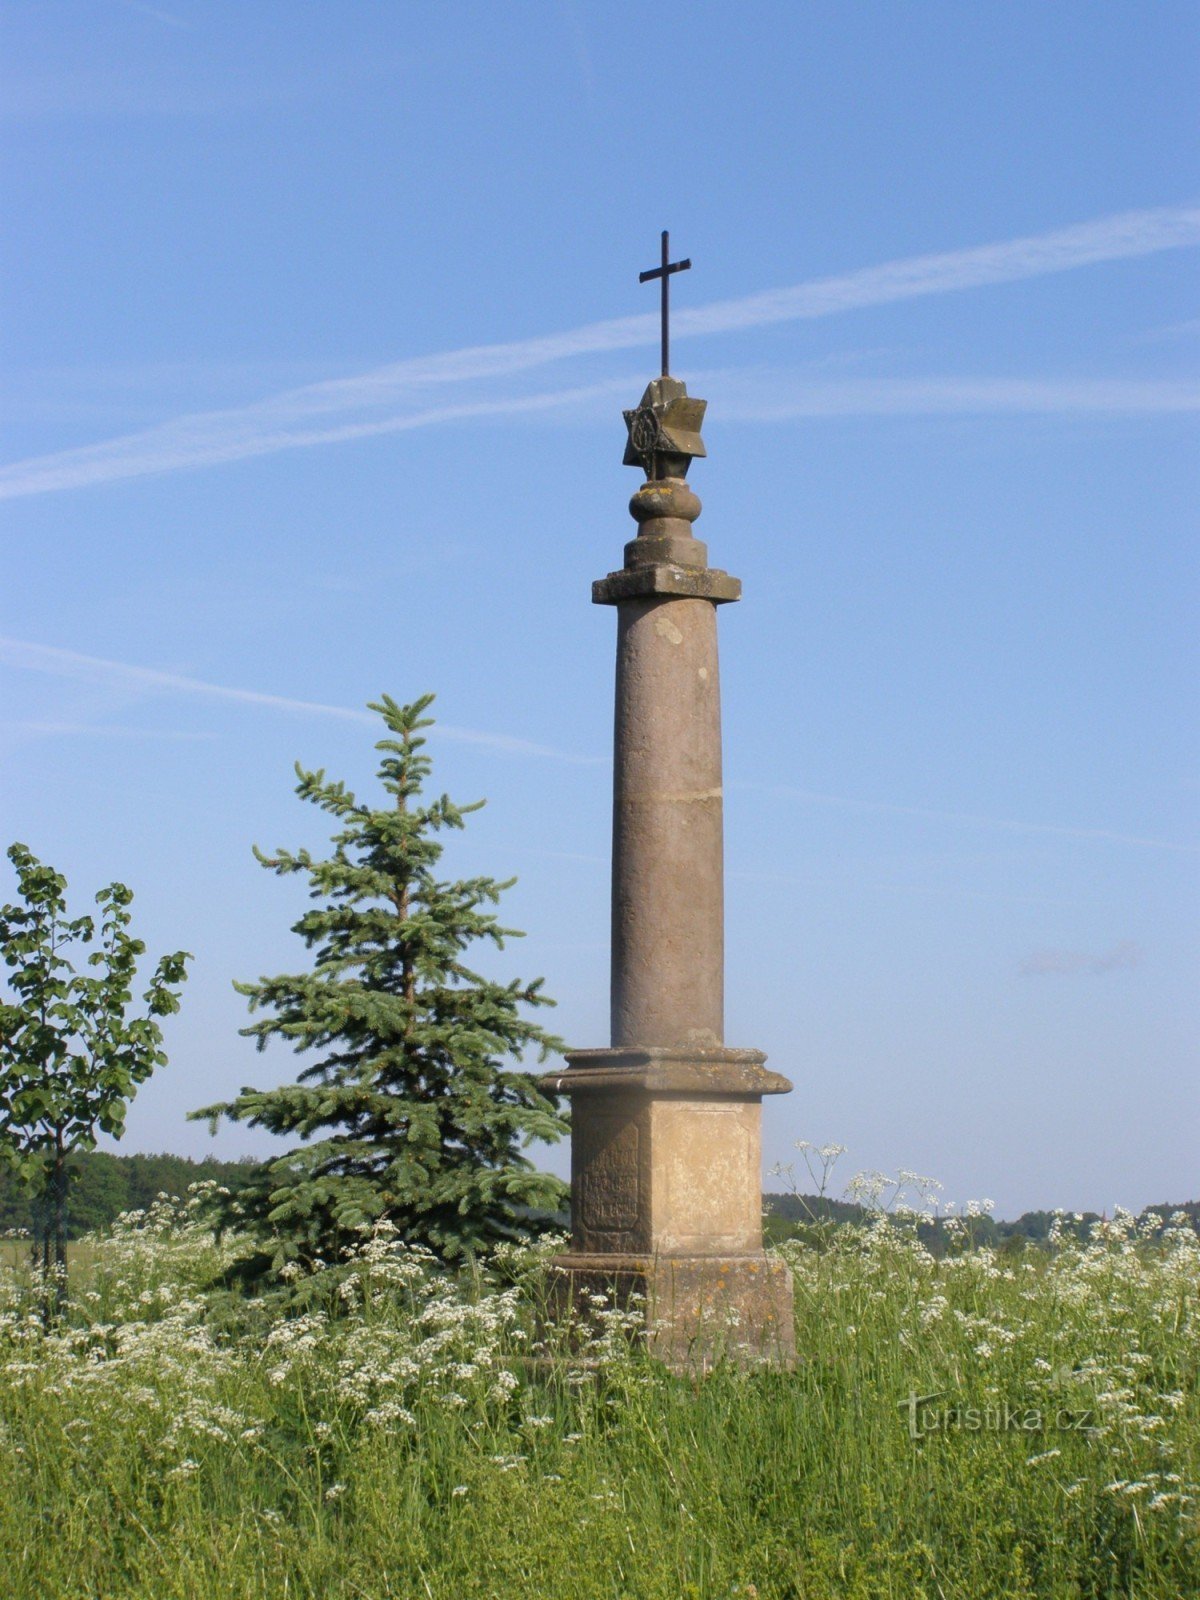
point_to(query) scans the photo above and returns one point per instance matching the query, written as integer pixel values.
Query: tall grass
(409, 1434)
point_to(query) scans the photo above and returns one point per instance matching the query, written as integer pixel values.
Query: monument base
(666, 1200)
(694, 1311)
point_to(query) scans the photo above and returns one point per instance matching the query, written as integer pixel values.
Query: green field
(396, 1439)
(16, 1256)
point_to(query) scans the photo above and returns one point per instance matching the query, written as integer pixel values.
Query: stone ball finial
(664, 510)
(662, 498)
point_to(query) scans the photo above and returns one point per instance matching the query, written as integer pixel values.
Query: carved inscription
(609, 1181)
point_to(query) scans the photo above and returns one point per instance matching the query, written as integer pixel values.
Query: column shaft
(668, 873)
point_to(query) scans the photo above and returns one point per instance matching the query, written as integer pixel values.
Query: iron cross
(664, 272)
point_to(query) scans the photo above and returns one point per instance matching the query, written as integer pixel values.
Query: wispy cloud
(348, 408)
(1059, 963)
(784, 398)
(98, 730)
(740, 396)
(169, 18)
(970, 819)
(127, 678)
(222, 436)
(1169, 332)
(955, 891)
(1115, 238)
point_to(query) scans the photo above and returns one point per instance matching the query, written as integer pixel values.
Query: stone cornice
(655, 1069)
(660, 579)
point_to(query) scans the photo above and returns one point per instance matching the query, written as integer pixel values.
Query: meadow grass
(408, 1434)
(16, 1253)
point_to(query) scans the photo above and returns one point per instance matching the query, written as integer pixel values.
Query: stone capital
(661, 579)
(684, 1069)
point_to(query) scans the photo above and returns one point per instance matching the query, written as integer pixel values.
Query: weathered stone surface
(696, 1310)
(700, 1065)
(659, 500)
(707, 583)
(664, 510)
(664, 429)
(666, 1149)
(666, 1187)
(668, 886)
(664, 497)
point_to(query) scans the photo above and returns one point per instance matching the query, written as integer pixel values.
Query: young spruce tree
(410, 1113)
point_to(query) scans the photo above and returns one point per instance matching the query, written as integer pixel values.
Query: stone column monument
(666, 1192)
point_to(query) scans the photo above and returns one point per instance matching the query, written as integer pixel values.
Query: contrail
(167, 449)
(790, 398)
(31, 657)
(218, 436)
(99, 730)
(1116, 238)
(290, 420)
(967, 818)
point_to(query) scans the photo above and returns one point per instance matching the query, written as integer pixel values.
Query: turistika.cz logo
(925, 1416)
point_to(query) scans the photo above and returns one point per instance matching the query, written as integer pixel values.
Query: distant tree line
(790, 1215)
(101, 1186)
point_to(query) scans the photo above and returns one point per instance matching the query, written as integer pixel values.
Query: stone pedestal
(666, 1199)
(666, 1176)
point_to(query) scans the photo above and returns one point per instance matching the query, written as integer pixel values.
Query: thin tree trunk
(59, 1190)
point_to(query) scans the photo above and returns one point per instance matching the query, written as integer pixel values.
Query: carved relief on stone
(608, 1183)
(664, 430)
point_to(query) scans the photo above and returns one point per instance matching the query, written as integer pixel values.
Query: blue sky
(318, 325)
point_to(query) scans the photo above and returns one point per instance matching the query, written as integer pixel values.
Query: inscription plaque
(609, 1180)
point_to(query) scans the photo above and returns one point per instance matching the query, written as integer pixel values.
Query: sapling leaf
(70, 1057)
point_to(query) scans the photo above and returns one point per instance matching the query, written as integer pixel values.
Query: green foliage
(400, 1444)
(103, 1185)
(410, 1114)
(71, 1057)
